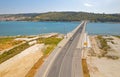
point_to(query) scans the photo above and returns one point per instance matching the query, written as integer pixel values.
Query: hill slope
(67, 16)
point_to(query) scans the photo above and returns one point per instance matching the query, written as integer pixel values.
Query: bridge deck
(67, 63)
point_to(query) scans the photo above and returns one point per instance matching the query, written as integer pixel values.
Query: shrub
(103, 43)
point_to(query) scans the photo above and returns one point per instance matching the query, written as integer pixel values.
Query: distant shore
(59, 21)
(62, 16)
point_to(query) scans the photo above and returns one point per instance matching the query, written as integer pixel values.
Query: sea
(13, 28)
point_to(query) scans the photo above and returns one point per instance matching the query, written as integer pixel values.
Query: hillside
(64, 16)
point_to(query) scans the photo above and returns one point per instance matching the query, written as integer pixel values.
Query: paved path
(66, 62)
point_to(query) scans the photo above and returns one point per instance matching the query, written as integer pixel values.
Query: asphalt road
(68, 61)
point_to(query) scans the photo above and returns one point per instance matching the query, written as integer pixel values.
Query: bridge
(65, 60)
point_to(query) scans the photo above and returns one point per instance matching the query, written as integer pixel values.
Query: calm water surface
(33, 28)
(103, 28)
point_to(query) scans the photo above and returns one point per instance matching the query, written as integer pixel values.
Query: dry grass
(85, 68)
(33, 70)
(117, 36)
(50, 45)
(46, 53)
(103, 42)
(112, 57)
(7, 43)
(7, 55)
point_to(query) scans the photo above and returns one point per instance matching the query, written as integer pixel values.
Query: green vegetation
(106, 48)
(109, 38)
(4, 40)
(48, 49)
(112, 42)
(6, 55)
(8, 42)
(118, 36)
(50, 45)
(50, 42)
(67, 16)
(77, 16)
(103, 43)
(112, 57)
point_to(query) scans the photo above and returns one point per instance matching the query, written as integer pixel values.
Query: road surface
(68, 62)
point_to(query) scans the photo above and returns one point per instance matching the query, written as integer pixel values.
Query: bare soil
(104, 66)
(19, 65)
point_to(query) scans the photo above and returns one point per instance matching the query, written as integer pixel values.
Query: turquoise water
(103, 28)
(12, 28)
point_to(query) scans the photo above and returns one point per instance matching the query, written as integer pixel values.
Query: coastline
(17, 36)
(58, 21)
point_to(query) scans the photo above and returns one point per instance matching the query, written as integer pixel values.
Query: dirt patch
(85, 68)
(107, 65)
(38, 64)
(19, 65)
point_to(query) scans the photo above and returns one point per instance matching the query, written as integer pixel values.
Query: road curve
(68, 62)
